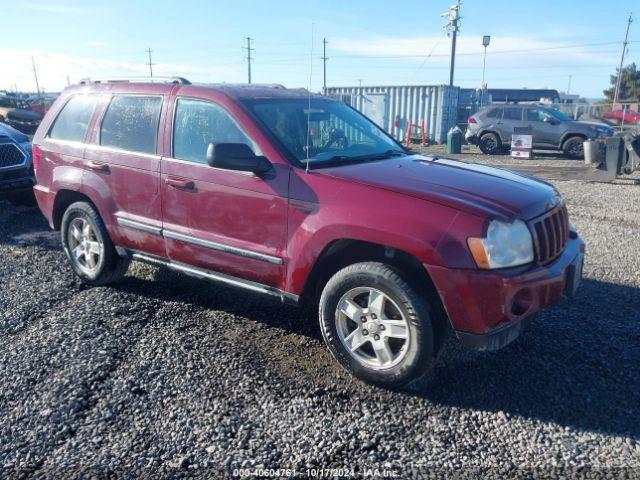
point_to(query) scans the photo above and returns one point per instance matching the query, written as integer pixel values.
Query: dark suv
(302, 198)
(491, 129)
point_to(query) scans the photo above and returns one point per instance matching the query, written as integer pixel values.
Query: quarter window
(131, 123)
(73, 120)
(495, 113)
(199, 123)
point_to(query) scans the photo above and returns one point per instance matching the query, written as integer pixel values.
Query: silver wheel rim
(372, 328)
(85, 248)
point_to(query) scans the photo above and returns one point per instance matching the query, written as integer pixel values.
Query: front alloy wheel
(377, 326)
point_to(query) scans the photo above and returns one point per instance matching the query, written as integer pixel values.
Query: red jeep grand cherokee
(301, 197)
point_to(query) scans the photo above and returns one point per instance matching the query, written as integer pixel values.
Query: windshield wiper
(346, 159)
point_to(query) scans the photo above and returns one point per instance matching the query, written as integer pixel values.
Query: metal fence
(395, 108)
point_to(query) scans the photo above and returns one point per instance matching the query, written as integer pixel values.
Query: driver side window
(537, 115)
(197, 124)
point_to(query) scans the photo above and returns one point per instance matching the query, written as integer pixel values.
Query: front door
(222, 220)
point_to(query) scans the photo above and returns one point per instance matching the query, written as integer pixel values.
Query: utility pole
(324, 65)
(453, 15)
(624, 49)
(150, 63)
(249, 50)
(35, 75)
(486, 40)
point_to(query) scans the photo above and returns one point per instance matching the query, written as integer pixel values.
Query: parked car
(629, 117)
(14, 113)
(301, 197)
(40, 103)
(492, 127)
(16, 170)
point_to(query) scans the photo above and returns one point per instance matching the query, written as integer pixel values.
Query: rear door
(223, 220)
(511, 118)
(123, 168)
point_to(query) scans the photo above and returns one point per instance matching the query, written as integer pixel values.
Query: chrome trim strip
(222, 247)
(102, 148)
(284, 297)
(139, 226)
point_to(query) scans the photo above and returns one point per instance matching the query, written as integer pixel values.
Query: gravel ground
(168, 376)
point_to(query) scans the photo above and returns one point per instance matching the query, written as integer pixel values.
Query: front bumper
(489, 309)
(15, 180)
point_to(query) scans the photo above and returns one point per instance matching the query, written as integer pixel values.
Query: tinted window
(495, 113)
(72, 122)
(197, 124)
(537, 115)
(512, 114)
(131, 123)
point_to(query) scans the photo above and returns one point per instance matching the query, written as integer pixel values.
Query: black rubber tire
(490, 144)
(573, 147)
(111, 267)
(24, 198)
(422, 350)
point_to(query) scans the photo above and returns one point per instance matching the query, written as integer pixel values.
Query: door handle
(180, 183)
(98, 167)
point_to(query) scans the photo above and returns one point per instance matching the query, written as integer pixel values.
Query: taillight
(471, 120)
(35, 157)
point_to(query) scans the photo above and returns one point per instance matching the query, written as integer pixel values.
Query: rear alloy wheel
(490, 144)
(376, 326)
(573, 147)
(88, 246)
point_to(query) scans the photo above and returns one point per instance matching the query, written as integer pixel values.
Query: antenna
(309, 108)
(150, 63)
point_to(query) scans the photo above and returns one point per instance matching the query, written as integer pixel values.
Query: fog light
(521, 302)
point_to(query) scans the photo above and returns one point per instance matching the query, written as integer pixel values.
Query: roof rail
(177, 80)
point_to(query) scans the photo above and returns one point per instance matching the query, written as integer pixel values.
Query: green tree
(629, 84)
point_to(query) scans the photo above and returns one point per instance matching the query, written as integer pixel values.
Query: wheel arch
(341, 253)
(569, 135)
(64, 198)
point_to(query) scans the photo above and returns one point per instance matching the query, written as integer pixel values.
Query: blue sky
(533, 44)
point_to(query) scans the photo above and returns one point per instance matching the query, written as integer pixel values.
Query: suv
(16, 171)
(301, 197)
(491, 129)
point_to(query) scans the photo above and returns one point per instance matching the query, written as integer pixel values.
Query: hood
(9, 132)
(591, 125)
(477, 189)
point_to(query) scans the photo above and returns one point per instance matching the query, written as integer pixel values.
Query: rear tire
(377, 326)
(89, 249)
(573, 148)
(490, 144)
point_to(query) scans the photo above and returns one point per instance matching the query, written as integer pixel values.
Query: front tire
(376, 325)
(573, 147)
(89, 249)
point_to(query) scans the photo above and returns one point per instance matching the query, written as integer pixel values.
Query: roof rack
(177, 80)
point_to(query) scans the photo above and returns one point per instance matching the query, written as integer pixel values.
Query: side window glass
(73, 120)
(131, 123)
(537, 115)
(512, 114)
(495, 113)
(197, 124)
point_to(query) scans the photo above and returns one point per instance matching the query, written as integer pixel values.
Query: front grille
(11, 155)
(550, 234)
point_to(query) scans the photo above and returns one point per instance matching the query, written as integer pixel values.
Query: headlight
(506, 245)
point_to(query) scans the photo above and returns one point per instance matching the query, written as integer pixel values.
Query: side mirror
(236, 156)
(550, 120)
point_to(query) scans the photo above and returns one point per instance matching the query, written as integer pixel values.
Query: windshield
(329, 133)
(559, 115)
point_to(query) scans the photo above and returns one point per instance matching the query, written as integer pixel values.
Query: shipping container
(394, 107)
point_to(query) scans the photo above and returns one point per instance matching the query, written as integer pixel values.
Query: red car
(626, 116)
(301, 197)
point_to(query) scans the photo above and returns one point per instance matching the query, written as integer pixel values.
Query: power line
(249, 50)
(150, 63)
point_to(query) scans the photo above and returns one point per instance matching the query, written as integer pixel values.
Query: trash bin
(591, 152)
(454, 140)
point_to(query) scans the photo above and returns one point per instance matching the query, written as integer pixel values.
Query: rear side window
(495, 113)
(199, 123)
(73, 120)
(131, 123)
(512, 114)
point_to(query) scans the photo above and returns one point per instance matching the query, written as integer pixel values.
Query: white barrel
(591, 152)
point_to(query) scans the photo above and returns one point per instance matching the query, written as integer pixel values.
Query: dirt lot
(164, 375)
